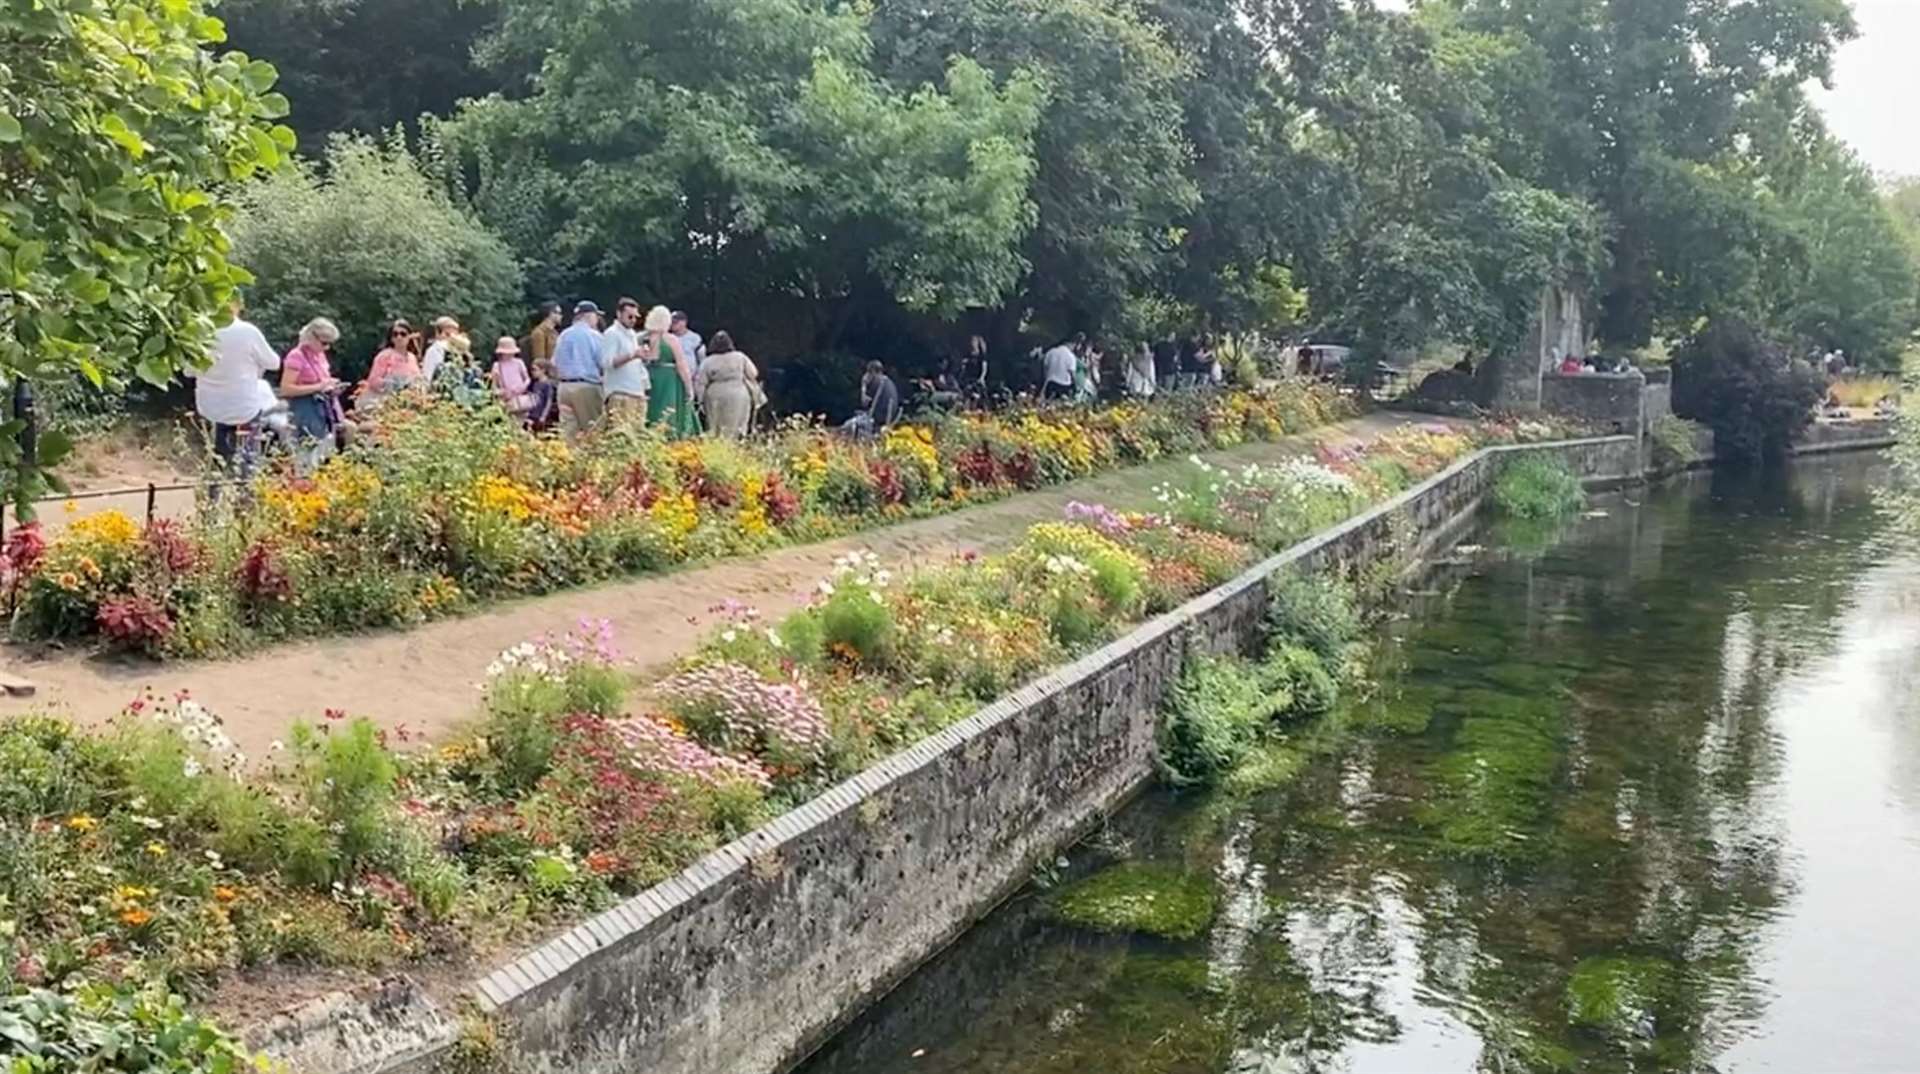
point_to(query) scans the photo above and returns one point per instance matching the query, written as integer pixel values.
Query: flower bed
(152, 853)
(445, 508)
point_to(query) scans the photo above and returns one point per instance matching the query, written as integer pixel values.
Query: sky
(1876, 86)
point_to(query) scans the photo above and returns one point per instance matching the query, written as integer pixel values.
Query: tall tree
(1113, 166)
(784, 181)
(121, 133)
(367, 66)
(1647, 106)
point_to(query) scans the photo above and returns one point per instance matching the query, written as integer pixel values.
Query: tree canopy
(887, 178)
(120, 130)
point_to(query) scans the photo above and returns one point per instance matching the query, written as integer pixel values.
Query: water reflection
(1646, 797)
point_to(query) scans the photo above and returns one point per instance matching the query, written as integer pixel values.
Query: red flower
(25, 547)
(886, 482)
(170, 548)
(262, 577)
(976, 466)
(134, 620)
(781, 503)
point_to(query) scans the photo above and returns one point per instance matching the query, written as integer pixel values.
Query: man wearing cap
(576, 362)
(691, 344)
(444, 329)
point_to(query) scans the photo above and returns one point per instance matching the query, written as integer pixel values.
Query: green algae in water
(1619, 996)
(1135, 897)
(1268, 768)
(1497, 781)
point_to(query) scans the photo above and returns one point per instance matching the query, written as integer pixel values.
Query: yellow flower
(71, 507)
(157, 849)
(507, 497)
(82, 822)
(131, 893)
(753, 509)
(108, 527)
(68, 581)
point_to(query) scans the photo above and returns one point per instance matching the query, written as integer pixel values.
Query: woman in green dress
(670, 392)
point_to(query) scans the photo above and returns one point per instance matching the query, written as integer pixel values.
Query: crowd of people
(574, 372)
(647, 366)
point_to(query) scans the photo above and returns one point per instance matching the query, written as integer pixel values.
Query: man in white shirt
(691, 344)
(1060, 363)
(444, 329)
(230, 393)
(624, 366)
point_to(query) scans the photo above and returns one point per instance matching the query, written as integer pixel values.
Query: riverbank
(1693, 710)
(849, 892)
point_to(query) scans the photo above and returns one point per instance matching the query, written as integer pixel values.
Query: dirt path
(426, 678)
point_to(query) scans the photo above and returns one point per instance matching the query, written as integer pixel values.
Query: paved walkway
(426, 678)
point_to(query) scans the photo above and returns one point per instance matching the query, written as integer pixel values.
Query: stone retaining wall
(760, 951)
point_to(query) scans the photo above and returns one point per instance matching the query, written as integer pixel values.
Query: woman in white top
(1140, 375)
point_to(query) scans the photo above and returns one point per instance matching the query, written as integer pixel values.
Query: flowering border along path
(444, 508)
(148, 854)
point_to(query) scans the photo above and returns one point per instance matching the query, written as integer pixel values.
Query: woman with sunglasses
(395, 367)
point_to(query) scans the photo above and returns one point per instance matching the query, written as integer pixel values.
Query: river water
(1640, 796)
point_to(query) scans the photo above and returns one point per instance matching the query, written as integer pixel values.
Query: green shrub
(348, 779)
(853, 618)
(1300, 675)
(331, 241)
(1315, 612)
(104, 1028)
(1675, 442)
(1538, 486)
(1213, 716)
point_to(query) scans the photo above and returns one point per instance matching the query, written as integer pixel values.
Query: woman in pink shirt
(312, 393)
(510, 379)
(395, 367)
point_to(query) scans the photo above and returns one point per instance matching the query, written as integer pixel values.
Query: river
(1643, 795)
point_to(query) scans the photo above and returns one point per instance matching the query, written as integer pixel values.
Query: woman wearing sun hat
(510, 378)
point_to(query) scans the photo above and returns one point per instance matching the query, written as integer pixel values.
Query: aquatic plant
(1156, 900)
(1537, 486)
(1620, 996)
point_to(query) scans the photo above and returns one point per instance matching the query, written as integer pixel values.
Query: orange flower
(133, 917)
(224, 895)
(602, 862)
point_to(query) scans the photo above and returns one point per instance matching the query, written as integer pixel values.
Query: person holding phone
(312, 393)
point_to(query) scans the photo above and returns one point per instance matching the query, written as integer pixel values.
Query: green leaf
(91, 370)
(155, 371)
(54, 446)
(86, 287)
(9, 128)
(259, 76)
(28, 256)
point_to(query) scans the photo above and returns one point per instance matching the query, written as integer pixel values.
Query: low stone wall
(1614, 402)
(1825, 438)
(763, 949)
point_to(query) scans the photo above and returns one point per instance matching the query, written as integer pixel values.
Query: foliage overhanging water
(1645, 799)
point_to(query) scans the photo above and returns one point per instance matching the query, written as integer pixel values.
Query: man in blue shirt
(576, 364)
